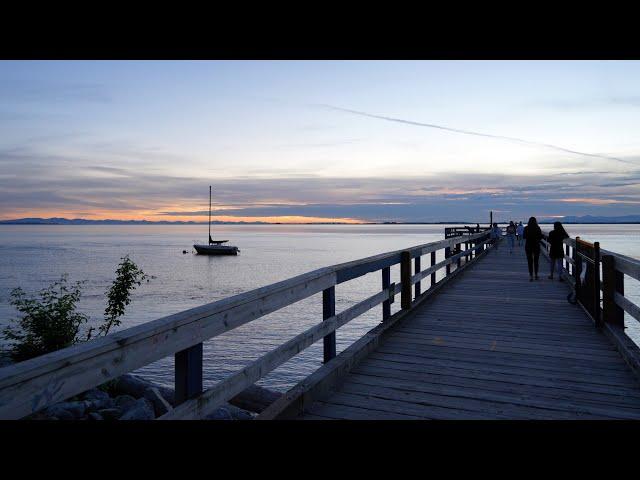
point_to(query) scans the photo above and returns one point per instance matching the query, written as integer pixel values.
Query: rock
(95, 394)
(124, 401)
(95, 416)
(141, 410)
(99, 404)
(160, 405)
(65, 409)
(110, 413)
(135, 386)
(255, 398)
(229, 412)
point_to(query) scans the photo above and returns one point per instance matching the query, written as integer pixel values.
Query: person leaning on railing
(556, 252)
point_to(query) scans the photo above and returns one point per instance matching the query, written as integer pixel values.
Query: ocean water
(32, 256)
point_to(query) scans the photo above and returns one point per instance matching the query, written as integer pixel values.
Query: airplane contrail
(478, 134)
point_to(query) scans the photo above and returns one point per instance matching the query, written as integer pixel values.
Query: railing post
(447, 254)
(188, 373)
(566, 262)
(417, 270)
(386, 283)
(596, 284)
(433, 262)
(405, 278)
(328, 311)
(612, 283)
(575, 263)
(459, 261)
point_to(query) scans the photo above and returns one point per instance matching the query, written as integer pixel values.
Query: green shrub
(51, 322)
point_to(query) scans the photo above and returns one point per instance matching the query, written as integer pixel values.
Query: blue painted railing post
(328, 311)
(188, 373)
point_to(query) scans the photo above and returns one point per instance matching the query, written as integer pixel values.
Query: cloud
(37, 92)
(121, 186)
(478, 134)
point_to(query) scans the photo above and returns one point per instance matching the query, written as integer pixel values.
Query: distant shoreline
(65, 222)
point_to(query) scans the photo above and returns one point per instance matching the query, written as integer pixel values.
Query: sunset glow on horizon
(318, 141)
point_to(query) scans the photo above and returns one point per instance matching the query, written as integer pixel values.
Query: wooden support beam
(417, 270)
(596, 285)
(433, 262)
(386, 281)
(188, 373)
(405, 279)
(612, 283)
(329, 311)
(447, 254)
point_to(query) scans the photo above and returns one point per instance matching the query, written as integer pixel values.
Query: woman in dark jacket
(556, 236)
(532, 236)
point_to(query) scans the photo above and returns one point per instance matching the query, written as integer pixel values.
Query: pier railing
(32, 385)
(597, 278)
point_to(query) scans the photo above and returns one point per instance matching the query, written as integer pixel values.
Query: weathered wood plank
(515, 385)
(514, 401)
(502, 382)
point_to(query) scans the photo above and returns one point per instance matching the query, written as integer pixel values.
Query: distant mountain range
(82, 221)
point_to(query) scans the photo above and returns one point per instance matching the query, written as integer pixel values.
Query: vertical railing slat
(328, 311)
(386, 283)
(596, 284)
(433, 262)
(405, 278)
(188, 373)
(612, 283)
(417, 269)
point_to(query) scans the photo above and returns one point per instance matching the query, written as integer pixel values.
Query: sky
(287, 141)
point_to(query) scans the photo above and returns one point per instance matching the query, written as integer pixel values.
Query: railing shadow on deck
(32, 385)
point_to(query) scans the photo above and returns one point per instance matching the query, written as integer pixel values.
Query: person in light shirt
(519, 233)
(495, 235)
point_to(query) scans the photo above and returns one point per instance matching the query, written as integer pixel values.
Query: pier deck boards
(492, 345)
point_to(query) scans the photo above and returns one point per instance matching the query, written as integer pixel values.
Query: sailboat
(215, 247)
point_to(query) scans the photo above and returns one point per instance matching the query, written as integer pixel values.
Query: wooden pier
(491, 346)
(473, 339)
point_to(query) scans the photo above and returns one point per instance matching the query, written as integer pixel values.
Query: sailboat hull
(216, 249)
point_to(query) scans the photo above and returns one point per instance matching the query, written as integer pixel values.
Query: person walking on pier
(556, 252)
(511, 235)
(532, 236)
(496, 234)
(519, 233)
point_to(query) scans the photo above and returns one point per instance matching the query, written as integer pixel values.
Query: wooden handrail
(32, 385)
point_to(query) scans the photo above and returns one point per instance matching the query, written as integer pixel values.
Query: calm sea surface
(32, 256)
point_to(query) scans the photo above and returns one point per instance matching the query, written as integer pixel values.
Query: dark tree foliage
(48, 323)
(128, 277)
(51, 322)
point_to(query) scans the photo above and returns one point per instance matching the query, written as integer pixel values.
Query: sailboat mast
(209, 213)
